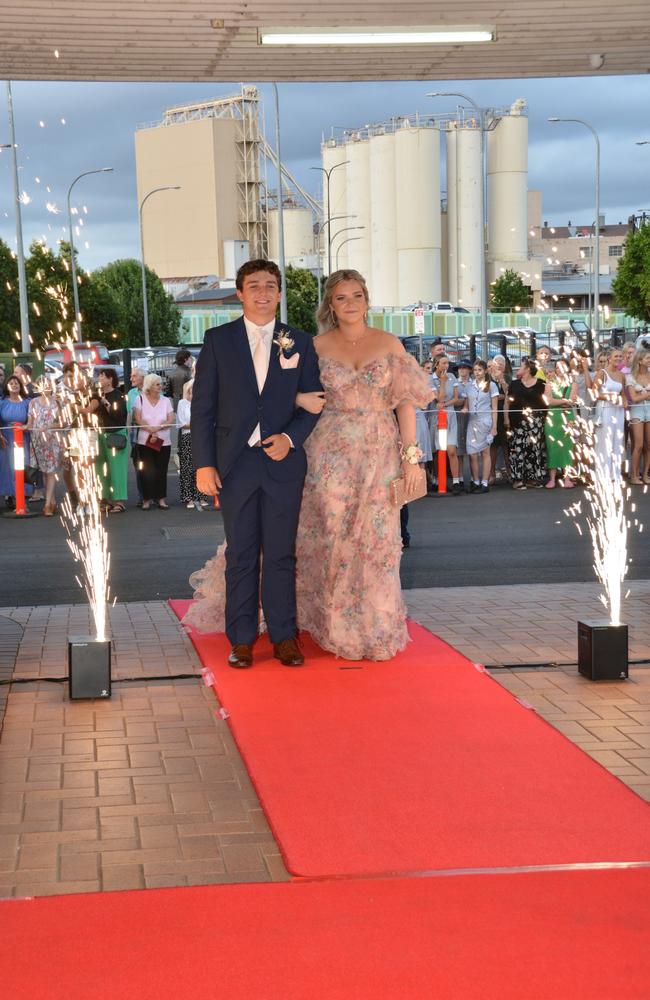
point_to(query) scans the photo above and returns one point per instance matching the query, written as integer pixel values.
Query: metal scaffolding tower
(244, 108)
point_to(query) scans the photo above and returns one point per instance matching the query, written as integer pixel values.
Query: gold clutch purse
(398, 493)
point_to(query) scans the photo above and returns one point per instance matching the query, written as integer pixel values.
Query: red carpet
(577, 935)
(417, 764)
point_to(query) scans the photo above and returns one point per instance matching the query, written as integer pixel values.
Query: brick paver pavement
(148, 789)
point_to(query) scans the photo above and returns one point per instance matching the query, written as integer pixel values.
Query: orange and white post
(442, 451)
(19, 470)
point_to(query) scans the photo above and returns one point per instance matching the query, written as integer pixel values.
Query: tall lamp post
(595, 265)
(73, 265)
(20, 254)
(346, 229)
(319, 229)
(350, 239)
(145, 304)
(328, 173)
(481, 114)
(283, 293)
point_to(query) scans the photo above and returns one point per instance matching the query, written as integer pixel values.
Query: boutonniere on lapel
(284, 342)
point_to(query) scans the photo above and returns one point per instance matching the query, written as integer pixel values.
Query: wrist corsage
(412, 454)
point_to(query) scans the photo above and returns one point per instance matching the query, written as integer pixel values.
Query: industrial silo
(507, 191)
(383, 274)
(334, 156)
(417, 205)
(452, 214)
(298, 233)
(355, 242)
(469, 185)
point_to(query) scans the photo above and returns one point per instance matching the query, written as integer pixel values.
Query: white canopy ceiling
(218, 40)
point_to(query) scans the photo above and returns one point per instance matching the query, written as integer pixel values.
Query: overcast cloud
(100, 121)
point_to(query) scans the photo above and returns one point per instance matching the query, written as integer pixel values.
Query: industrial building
(212, 152)
(384, 191)
(400, 203)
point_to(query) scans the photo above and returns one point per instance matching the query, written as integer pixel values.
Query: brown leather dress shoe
(288, 653)
(241, 656)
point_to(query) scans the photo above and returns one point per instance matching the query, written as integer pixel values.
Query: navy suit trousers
(260, 516)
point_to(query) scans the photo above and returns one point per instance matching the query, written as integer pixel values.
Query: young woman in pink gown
(348, 547)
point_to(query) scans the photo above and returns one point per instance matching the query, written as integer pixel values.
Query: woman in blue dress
(14, 407)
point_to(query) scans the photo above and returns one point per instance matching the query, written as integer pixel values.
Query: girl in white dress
(609, 434)
(482, 400)
(638, 388)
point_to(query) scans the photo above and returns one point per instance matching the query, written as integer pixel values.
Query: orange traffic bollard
(442, 451)
(19, 474)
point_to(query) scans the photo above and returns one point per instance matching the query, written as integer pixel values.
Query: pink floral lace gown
(348, 547)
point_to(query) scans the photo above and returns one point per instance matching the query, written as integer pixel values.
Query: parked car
(53, 370)
(141, 357)
(90, 353)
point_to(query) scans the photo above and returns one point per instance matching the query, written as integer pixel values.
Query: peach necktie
(260, 361)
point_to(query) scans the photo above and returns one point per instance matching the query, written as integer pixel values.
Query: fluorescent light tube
(374, 36)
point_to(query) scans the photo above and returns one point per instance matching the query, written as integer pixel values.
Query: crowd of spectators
(136, 426)
(529, 428)
(525, 428)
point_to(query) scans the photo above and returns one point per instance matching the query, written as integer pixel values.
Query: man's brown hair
(252, 266)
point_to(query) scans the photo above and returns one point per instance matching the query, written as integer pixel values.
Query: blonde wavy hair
(636, 361)
(325, 316)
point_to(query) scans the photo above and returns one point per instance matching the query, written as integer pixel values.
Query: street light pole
(596, 264)
(145, 304)
(20, 253)
(73, 265)
(328, 173)
(481, 115)
(350, 239)
(319, 229)
(344, 230)
(283, 293)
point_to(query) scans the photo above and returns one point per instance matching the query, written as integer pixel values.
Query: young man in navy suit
(247, 445)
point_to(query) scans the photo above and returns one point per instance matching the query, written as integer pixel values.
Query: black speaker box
(602, 651)
(89, 667)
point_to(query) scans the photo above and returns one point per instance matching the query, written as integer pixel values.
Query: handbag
(398, 493)
(153, 442)
(116, 441)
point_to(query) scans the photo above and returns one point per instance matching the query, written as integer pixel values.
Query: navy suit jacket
(227, 405)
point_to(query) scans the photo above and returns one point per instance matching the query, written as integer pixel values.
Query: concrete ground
(147, 789)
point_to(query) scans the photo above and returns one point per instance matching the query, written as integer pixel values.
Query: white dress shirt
(267, 331)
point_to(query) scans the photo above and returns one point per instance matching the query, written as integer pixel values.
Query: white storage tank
(334, 155)
(356, 253)
(469, 216)
(298, 233)
(452, 215)
(382, 280)
(417, 206)
(507, 191)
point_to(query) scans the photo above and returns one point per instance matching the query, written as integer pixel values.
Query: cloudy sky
(100, 120)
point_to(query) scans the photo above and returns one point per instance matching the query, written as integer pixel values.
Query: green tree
(121, 286)
(302, 298)
(9, 303)
(509, 291)
(49, 295)
(631, 286)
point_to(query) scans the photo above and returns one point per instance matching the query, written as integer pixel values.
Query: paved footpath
(148, 790)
